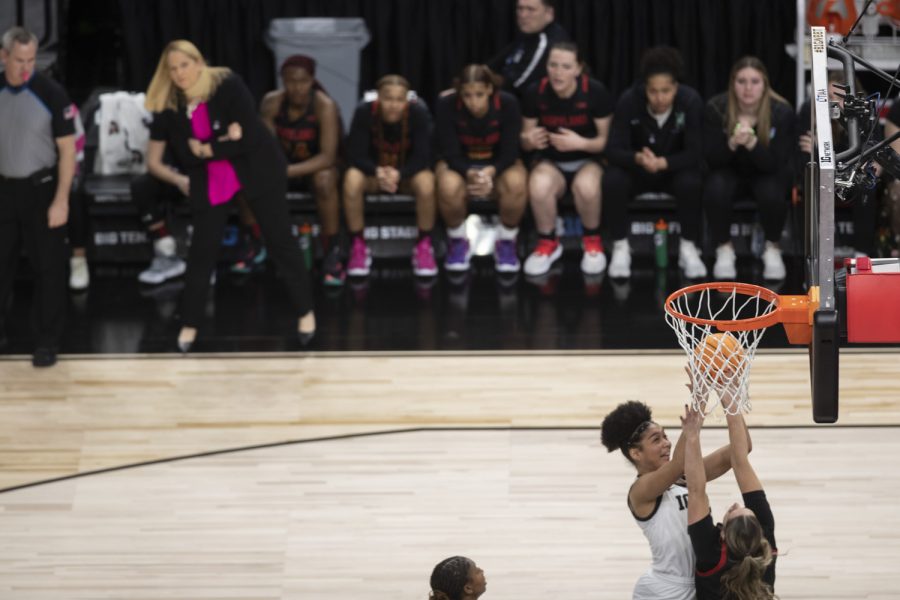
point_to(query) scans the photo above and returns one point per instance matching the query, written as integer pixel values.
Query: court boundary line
(387, 432)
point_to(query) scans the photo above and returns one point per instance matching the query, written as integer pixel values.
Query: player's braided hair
(449, 578)
(622, 428)
(383, 158)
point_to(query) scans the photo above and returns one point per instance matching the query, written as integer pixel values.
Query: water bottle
(661, 243)
(306, 244)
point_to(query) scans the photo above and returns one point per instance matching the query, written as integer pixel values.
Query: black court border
(387, 432)
(398, 354)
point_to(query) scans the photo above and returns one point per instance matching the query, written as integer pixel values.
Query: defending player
(735, 559)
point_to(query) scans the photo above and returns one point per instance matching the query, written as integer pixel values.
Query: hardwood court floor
(94, 413)
(542, 510)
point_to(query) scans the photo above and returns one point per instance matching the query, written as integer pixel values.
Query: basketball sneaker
(773, 265)
(689, 260)
(360, 262)
(423, 258)
(458, 254)
(545, 254)
(79, 276)
(593, 261)
(620, 265)
(165, 264)
(725, 259)
(506, 259)
(253, 258)
(161, 269)
(333, 267)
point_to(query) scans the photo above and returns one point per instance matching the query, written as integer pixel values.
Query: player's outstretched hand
(692, 421)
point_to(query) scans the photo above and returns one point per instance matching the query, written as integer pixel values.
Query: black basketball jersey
(299, 137)
(712, 556)
(466, 141)
(590, 101)
(405, 145)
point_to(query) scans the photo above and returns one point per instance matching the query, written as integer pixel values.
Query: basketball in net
(719, 355)
(719, 326)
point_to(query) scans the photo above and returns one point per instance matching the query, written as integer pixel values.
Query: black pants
(621, 185)
(23, 221)
(271, 211)
(151, 196)
(769, 190)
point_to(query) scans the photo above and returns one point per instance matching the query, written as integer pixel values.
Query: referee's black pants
(23, 222)
(271, 211)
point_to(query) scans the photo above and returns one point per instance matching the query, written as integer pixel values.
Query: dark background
(117, 43)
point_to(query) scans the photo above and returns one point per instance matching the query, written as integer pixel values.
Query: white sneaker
(725, 258)
(545, 254)
(620, 265)
(162, 269)
(689, 260)
(593, 261)
(773, 265)
(79, 276)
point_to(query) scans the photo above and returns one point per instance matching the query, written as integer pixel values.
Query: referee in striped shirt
(37, 162)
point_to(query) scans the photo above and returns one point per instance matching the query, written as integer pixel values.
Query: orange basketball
(718, 351)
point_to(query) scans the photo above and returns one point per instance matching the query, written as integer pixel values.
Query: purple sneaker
(458, 254)
(423, 259)
(360, 258)
(506, 260)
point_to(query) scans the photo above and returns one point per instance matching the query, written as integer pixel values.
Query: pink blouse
(222, 182)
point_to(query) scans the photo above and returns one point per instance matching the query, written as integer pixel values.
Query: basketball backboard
(819, 190)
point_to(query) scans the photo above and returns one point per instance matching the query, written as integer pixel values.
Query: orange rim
(745, 289)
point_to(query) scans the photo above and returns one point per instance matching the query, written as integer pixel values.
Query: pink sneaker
(423, 258)
(360, 258)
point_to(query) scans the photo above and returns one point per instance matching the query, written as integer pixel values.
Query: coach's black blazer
(257, 159)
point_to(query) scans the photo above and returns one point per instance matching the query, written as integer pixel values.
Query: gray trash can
(334, 43)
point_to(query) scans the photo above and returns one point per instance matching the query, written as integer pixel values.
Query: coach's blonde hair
(163, 94)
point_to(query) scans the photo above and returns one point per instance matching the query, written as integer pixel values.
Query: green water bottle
(661, 243)
(306, 243)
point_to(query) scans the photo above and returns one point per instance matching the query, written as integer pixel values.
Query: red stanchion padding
(873, 302)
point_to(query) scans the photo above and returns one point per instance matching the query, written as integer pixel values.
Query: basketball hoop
(720, 324)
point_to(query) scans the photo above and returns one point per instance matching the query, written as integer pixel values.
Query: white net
(719, 361)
